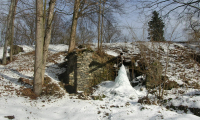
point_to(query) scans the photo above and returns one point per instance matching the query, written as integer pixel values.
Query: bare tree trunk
(0, 37)
(102, 25)
(37, 86)
(74, 25)
(44, 28)
(9, 30)
(43, 38)
(12, 28)
(44, 12)
(47, 37)
(99, 25)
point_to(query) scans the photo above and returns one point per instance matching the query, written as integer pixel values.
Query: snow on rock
(109, 52)
(193, 47)
(121, 87)
(58, 47)
(52, 48)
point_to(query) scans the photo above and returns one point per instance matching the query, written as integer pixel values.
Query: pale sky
(138, 23)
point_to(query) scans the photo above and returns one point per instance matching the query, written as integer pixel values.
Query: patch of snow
(1, 52)
(27, 48)
(121, 87)
(58, 48)
(109, 52)
(193, 47)
(180, 45)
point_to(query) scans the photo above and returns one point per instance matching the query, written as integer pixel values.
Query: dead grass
(10, 117)
(7, 89)
(49, 57)
(145, 100)
(171, 84)
(30, 53)
(101, 56)
(25, 81)
(194, 85)
(53, 57)
(8, 60)
(28, 92)
(49, 89)
(195, 111)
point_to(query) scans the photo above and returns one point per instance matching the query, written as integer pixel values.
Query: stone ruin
(84, 71)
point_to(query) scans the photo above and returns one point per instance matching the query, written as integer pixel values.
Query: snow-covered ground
(119, 100)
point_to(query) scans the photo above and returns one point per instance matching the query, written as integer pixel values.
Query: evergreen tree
(155, 29)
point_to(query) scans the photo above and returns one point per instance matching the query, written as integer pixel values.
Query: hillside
(115, 100)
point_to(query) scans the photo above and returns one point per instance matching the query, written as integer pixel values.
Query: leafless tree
(74, 25)
(43, 37)
(59, 27)
(10, 30)
(25, 28)
(90, 9)
(112, 33)
(2, 30)
(81, 8)
(172, 5)
(184, 9)
(85, 35)
(38, 66)
(106, 8)
(25, 24)
(193, 28)
(99, 24)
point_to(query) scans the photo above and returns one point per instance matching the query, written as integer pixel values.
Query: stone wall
(83, 71)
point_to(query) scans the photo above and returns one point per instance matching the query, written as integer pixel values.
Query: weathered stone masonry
(83, 71)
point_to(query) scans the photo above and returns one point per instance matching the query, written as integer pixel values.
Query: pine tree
(155, 30)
